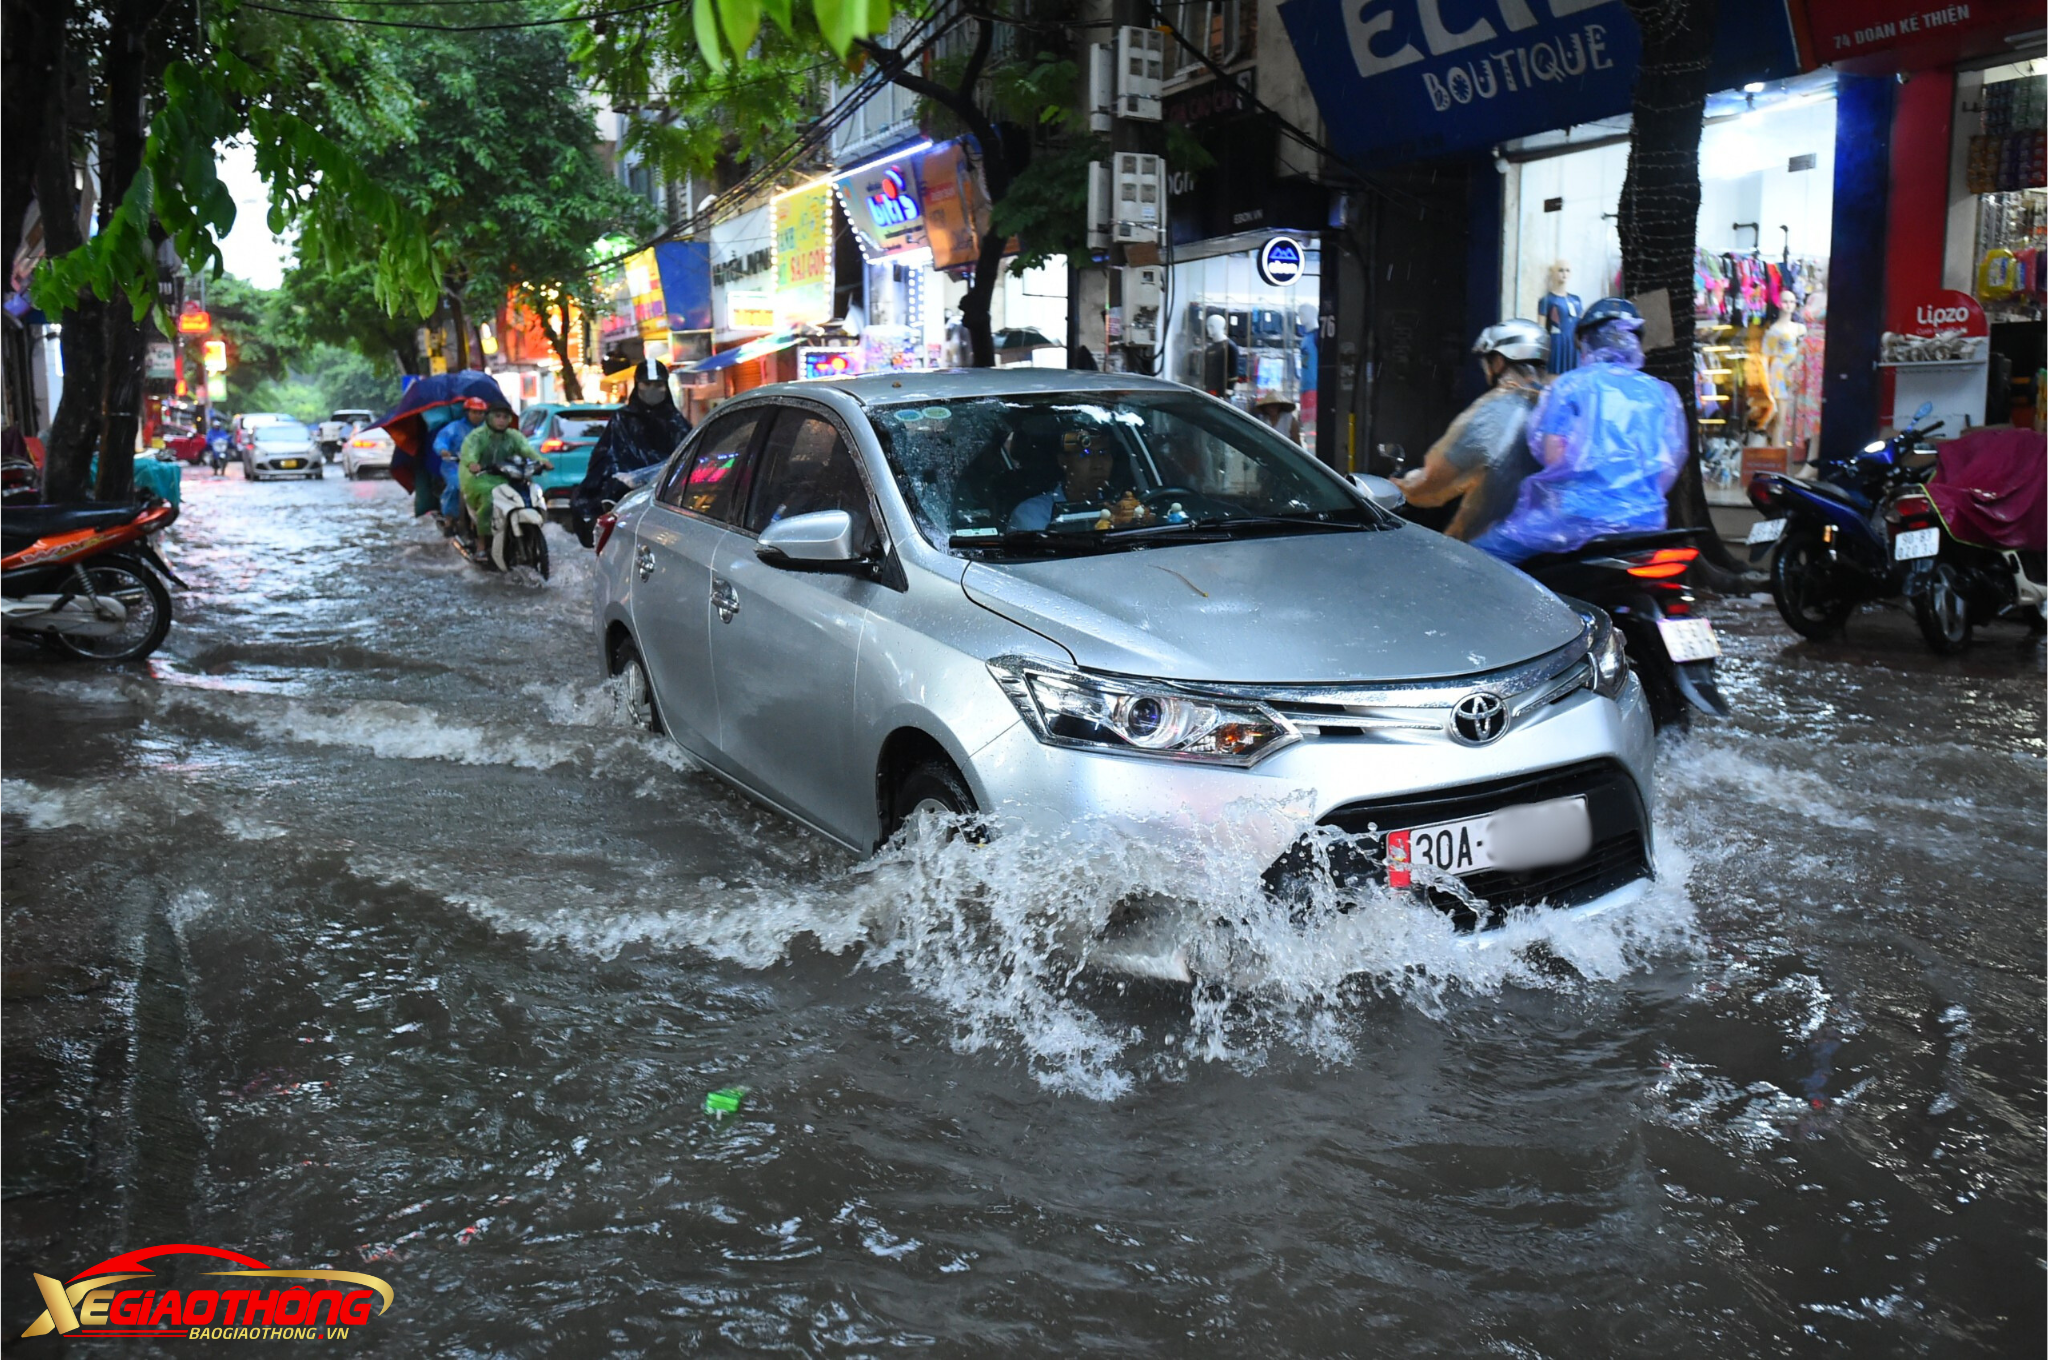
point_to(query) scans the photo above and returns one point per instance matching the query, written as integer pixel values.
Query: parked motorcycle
(518, 512)
(86, 578)
(1956, 583)
(1639, 579)
(1833, 538)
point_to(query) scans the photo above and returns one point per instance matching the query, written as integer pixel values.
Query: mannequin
(1219, 358)
(1780, 355)
(1560, 308)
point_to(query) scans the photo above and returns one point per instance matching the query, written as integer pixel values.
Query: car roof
(585, 409)
(959, 384)
(350, 411)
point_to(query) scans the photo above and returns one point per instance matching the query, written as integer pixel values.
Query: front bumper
(1260, 813)
(301, 460)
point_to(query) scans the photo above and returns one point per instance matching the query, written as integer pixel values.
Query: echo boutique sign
(1402, 79)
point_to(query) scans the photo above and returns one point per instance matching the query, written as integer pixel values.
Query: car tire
(931, 786)
(637, 688)
(319, 472)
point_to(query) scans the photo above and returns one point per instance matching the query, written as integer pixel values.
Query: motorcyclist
(1610, 440)
(484, 448)
(647, 429)
(448, 452)
(1484, 455)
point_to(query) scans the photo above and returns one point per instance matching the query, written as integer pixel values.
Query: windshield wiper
(1221, 527)
(1028, 540)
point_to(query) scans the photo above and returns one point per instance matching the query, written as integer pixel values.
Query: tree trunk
(121, 160)
(31, 41)
(1658, 217)
(558, 341)
(461, 331)
(74, 427)
(996, 172)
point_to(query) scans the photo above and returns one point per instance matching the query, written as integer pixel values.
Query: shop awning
(739, 354)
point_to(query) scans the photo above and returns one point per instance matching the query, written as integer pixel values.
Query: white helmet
(1518, 340)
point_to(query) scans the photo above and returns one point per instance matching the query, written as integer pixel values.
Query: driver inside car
(1086, 464)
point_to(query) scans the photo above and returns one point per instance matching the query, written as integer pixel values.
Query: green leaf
(707, 33)
(779, 11)
(741, 20)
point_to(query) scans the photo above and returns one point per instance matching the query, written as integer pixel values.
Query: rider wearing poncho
(647, 429)
(1610, 441)
(488, 445)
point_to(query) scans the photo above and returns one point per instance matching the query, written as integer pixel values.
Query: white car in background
(365, 452)
(282, 448)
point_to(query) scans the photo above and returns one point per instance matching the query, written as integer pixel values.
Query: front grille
(1620, 853)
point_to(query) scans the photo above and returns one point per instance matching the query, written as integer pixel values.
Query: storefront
(1241, 323)
(1760, 275)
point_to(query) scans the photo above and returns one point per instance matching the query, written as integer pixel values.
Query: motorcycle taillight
(605, 524)
(1760, 493)
(1911, 508)
(1664, 562)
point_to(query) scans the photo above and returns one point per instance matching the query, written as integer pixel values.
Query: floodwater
(357, 930)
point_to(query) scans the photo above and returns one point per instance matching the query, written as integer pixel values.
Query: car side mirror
(819, 541)
(1381, 492)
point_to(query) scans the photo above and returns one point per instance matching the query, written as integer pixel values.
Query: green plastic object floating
(726, 1101)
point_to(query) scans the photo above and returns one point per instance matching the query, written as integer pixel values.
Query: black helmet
(497, 404)
(1610, 309)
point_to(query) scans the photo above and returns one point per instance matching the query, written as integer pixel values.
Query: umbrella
(427, 405)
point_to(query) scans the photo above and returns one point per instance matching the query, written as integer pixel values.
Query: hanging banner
(885, 204)
(949, 187)
(1407, 79)
(685, 271)
(803, 255)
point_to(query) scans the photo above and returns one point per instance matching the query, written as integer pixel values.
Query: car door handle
(724, 599)
(644, 561)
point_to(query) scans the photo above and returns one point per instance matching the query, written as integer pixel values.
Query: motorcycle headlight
(1127, 717)
(1607, 651)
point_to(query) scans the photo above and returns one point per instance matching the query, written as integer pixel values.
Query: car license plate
(1916, 543)
(1689, 639)
(290, 462)
(1526, 837)
(1766, 531)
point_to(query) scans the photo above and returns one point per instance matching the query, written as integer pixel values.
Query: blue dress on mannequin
(1560, 313)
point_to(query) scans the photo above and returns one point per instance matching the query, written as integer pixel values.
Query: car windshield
(281, 432)
(581, 425)
(1088, 471)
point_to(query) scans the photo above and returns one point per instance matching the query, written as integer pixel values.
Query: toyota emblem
(1479, 717)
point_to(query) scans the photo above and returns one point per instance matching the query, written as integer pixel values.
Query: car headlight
(1133, 718)
(1607, 651)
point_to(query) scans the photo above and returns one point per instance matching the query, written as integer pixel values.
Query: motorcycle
(86, 578)
(1639, 579)
(1834, 534)
(1954, 585)
(220, 446)
(518, 512)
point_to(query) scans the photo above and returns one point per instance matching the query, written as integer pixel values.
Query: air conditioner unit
(1140, 203)
(1140, 69)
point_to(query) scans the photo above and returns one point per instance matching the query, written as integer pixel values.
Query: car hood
(1312, 608)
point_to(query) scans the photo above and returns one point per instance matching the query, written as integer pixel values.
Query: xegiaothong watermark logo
(245, 1306)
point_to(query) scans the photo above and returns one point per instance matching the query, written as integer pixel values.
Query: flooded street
(358, 929)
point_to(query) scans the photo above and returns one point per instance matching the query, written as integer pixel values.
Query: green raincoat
(483, 448)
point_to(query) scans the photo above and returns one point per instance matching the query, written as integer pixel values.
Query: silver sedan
(1041, 597)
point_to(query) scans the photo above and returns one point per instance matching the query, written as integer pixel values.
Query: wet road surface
(357, 930)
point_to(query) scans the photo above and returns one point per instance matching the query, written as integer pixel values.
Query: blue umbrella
(428, 404)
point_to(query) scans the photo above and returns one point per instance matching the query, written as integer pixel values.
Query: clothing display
(1760, 328)
(1559, 313)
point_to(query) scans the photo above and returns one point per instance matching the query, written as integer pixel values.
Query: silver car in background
(1055, 596)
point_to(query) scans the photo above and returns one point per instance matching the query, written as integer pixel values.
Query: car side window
(704, 482)
(807, 466)
(529, 424)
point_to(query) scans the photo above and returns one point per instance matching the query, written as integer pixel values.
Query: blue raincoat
(1609, 440)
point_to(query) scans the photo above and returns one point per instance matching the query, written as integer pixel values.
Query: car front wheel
(932, 788)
